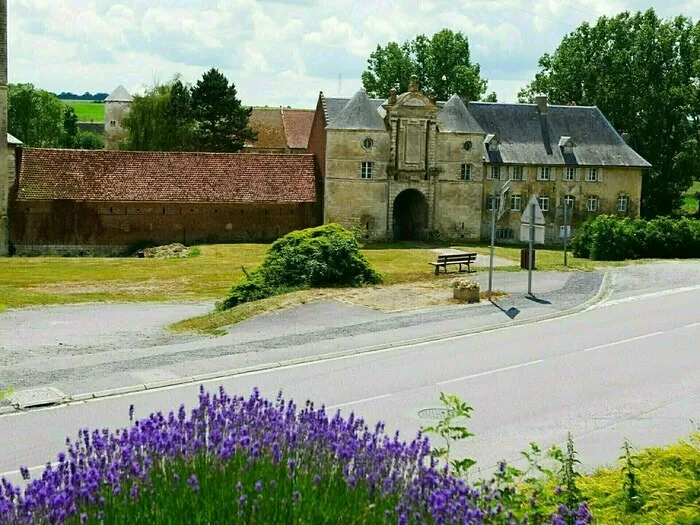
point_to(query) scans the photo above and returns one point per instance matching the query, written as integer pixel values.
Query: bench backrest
(463, 257)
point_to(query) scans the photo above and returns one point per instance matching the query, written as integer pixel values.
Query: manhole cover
(433, 414)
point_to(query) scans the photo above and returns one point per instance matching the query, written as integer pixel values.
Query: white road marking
(691, 325)
(614, 343)
(490, 372)
(357, 401)
(662, 293)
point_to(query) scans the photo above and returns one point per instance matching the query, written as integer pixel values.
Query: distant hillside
(87, 111)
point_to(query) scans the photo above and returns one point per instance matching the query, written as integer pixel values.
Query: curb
(602, 294)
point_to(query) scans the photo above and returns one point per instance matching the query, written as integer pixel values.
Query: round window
(367, 143)
(467, 145)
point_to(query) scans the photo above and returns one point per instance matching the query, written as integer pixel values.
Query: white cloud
(280, 52)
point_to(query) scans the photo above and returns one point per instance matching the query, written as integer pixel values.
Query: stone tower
(4, 160)
(117, 106)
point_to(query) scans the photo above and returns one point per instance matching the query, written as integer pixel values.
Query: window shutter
(600, 175)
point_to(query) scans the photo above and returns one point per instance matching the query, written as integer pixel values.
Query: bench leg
(437, 270)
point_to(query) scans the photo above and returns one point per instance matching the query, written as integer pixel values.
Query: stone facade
(410, 168)
(117, 106)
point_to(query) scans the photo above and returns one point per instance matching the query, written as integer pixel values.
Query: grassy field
(30, 281)
(88, 111)
(690, 201)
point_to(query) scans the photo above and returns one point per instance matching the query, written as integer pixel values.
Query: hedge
(610, 238)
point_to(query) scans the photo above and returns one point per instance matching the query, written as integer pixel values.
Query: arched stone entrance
(410, 220)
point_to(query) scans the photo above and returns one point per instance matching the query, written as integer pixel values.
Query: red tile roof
(51, 174)
(267, 123)
(297, 126)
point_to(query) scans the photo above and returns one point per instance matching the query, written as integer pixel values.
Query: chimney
(541, 101)
(392, 96)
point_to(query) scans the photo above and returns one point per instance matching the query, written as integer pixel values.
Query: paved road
(629, 369)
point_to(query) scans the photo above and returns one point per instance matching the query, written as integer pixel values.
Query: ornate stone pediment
(412, 104)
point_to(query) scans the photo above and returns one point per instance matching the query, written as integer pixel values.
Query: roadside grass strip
(237, 460)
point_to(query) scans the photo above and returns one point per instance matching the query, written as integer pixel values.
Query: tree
(644, 75)
(179, 118)
(70, 127)
(35, 116)
(89, 140)
(146, 125)
(442, 64)
(221, 120)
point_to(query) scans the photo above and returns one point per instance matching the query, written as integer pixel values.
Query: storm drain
(433, 414)
(37, 397)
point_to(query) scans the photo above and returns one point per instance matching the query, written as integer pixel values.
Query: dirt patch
(111, 287)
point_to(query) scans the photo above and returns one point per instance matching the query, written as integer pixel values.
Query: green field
(88, 111)
(690, 201)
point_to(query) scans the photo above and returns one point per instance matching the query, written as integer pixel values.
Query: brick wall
(104, 227)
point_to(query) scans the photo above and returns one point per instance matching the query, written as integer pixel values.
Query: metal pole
(566, 231)
(532, 239)
(493, 237)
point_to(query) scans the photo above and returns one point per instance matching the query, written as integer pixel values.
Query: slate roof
(334, 106)
(268, 124)
(358, 113)
(530, 138)
(14, 141)
(454, 117)
(52, 174)
(297, 126)
(120, 94)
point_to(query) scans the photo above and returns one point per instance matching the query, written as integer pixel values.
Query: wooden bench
(460, 258)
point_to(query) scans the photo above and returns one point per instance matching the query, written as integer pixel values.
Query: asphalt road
(629, 369)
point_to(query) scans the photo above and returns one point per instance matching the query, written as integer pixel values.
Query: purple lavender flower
(193, 483)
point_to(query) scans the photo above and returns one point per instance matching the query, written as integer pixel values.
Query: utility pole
(493, 235)
(532, 240)
(566, 230)
(4, 175)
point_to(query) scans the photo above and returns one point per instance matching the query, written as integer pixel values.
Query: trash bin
(524, 258)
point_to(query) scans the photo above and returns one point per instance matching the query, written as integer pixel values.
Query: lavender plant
(237, 460)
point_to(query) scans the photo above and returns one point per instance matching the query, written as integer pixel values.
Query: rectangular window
(517, 173)
(112, 122)
(570, 174)
(623, 203)
(465, 172)
(495, 173)
(592, 175)
(569, 200)
(544, 203)
(592, 204)
(366, 170)
(491, 202)
(545, 173)
(515, 202)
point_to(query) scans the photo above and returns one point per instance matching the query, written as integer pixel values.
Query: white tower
(117, 106)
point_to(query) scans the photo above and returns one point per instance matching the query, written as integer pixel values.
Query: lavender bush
(254, 461)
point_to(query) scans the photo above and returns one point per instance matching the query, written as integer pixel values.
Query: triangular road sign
(539, 216)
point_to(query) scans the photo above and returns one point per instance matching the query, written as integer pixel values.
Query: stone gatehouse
(412, 168)
(405, 168)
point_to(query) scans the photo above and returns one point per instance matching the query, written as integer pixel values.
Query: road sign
(502, 204)
(539, 216)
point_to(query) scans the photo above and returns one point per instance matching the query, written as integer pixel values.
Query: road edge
(601, 295)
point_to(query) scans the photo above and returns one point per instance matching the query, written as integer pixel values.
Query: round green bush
(324, 256)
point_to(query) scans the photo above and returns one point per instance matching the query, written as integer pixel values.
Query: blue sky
(281, 52)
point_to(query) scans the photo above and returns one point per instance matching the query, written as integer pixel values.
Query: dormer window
(567, 145)
(491, 142)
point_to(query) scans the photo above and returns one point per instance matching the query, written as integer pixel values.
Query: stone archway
(410, 219)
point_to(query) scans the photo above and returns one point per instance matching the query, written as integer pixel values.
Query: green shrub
(328, 255)
(611, 238)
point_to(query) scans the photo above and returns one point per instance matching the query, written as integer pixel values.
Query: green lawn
(88, 111)
(690, 201)
(28, 281)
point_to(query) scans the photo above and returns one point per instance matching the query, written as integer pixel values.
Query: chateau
(405, 168)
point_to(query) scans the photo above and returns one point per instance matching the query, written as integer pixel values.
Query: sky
(282, 52)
